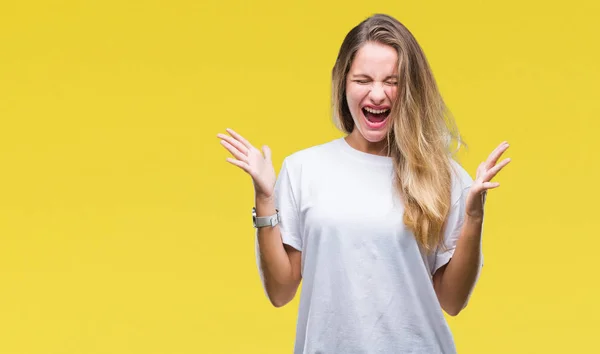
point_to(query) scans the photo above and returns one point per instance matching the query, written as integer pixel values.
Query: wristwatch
(263, 221)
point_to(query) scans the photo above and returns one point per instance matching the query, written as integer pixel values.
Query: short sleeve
(286, 203)
(461, 185)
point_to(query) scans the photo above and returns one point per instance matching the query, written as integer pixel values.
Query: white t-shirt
(366, 284)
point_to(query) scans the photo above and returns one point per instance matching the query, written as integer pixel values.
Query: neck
(358, 142)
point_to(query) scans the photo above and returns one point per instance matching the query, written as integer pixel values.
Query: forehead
(375, 59)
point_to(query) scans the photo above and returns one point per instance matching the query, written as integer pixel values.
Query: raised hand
(482, 183)
(251, 160)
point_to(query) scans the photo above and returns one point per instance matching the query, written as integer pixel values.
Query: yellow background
(123, 229)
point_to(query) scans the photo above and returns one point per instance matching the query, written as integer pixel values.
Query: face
(371, 86)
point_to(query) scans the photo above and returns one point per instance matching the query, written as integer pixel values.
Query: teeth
(376, 111)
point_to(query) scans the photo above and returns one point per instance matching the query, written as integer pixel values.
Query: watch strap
(264, 221)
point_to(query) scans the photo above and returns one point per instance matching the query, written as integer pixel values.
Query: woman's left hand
(485, 172)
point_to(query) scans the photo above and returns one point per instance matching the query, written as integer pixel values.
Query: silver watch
(263, 221)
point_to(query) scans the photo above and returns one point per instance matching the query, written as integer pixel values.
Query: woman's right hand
(251, 160)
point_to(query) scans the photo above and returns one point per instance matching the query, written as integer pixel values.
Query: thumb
(267, 152)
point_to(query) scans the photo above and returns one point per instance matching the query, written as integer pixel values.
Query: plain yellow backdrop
(123, 229)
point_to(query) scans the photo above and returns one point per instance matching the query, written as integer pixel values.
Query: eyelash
(362, 82)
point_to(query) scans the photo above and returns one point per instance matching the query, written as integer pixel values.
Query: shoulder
(461, 180)
(312, 156)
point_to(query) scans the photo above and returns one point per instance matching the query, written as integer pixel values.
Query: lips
(375, 117)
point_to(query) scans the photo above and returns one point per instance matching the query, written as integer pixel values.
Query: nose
(377, 94)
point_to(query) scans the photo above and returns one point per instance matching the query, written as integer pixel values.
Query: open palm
(251, 160)
(485, 173)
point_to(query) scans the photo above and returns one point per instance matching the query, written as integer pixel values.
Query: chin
(374, 135)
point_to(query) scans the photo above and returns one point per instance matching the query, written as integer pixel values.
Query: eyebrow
(367, 76)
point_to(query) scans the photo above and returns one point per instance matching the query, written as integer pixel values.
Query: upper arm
(461, 184)
(453, 225)
(282, 294)
(437, 279)
(295, 257)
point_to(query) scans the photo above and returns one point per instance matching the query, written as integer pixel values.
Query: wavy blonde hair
(422, 129)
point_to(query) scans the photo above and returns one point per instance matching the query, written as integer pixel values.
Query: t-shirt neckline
(363, 156)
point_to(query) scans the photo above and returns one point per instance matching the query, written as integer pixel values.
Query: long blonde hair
(422, 129)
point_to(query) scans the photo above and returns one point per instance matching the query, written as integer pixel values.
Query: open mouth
(375, 117)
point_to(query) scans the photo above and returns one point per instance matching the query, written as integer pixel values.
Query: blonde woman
(383, 227)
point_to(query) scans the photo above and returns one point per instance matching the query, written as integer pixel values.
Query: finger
(239, 138)
(490, 185)
(235, 152)
(495, 155)
(500, 146)
(477, 189)
(267, 151)
(491, 173)
(238, 145)
(480, 170)
(244, 166)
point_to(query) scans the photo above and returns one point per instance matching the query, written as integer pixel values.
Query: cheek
(391, 92)
(354, 95)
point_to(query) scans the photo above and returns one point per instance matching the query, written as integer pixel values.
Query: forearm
(460, 275)
(277, 268)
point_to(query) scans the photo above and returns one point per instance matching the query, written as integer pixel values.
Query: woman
(383, 226)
